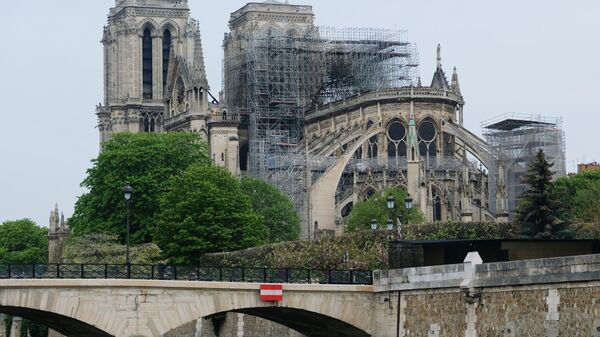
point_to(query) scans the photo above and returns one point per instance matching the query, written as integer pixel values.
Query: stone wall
(533, 298)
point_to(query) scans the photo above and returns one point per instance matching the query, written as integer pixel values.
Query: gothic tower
(153, 69)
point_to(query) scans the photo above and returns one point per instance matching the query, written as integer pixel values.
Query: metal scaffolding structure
(515, 140)
(276, 74)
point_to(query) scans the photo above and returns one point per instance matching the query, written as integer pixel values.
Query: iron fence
(184, 273)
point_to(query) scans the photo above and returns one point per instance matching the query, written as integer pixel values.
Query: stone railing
(374, 96)
(471, 275)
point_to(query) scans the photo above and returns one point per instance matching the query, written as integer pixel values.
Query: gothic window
(244, 157)
(358, 153)
(147, 64)
(167, 40)
(346, 210)
(437, 205)
(448, 145)
(180, 91)
(373, 148)
(397, 139)
(150, 122)
(427, 134)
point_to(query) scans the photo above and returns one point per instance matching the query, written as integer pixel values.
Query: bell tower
(141, 40)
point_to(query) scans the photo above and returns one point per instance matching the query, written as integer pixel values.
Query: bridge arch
(152, 308)
(306, 322)
(65, 325)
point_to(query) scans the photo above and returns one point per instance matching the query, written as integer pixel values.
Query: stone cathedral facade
(410, 136)
(155, 80)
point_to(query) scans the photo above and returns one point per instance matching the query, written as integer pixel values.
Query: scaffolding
(274, 75)
(514, 140)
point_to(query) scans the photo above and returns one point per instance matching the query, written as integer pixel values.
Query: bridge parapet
(500, 274)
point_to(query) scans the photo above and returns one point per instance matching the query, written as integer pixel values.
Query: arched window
(358, 153)
(437, 205)
(244, 157)
(373, 147)
(346, 210)
(147, 63)
(167, 40)
(397, 139)
(427, 138)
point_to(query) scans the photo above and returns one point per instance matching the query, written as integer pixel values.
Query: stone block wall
(534, 298)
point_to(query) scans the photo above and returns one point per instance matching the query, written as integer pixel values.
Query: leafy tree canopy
(577, 196)
(280, 217)
(537, 214)
(106, 249)
(204, 210)
(375, 207)
(22, 241)
(144, 160)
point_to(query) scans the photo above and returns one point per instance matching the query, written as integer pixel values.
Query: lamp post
(374, 225)
(408, 205)
(127, 192)
(390, 205)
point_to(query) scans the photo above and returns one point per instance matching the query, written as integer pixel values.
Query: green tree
(277, 210)
(22, 241)
(577, 196)
(146, 161)
(204, 210)
(106, 249)
(537, 214)
(375, 207)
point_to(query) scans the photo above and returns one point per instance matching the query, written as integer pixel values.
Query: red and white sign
(271, 292)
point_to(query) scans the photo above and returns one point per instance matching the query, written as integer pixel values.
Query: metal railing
(185, 273)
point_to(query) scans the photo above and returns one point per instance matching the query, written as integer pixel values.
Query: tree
(203, 210)
(537, 214)
(22, 241)
(146, 161)
(106, 249)
(375, 207)
(280, 217)
(577, 196)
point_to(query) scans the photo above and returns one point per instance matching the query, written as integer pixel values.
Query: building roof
(512, 124)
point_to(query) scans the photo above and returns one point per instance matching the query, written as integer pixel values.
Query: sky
(513, 56)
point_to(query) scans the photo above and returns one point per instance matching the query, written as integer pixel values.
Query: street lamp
(374, 225)
(408, 202)
(390, 205)
(390, 225)
(127, 192)
(391, 202)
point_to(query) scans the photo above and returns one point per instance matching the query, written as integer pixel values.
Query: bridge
(546, 297)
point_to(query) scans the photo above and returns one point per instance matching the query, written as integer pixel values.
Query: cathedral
(329, 116)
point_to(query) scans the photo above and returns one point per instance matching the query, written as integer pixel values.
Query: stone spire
(454, 84)
(439, 77)
(412, 141)
(198, 70)
(54, 223)
(439, 56)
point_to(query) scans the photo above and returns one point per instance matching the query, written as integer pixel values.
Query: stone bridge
(154, 308)
(546, 297)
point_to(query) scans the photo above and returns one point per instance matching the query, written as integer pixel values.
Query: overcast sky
(532, 57)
